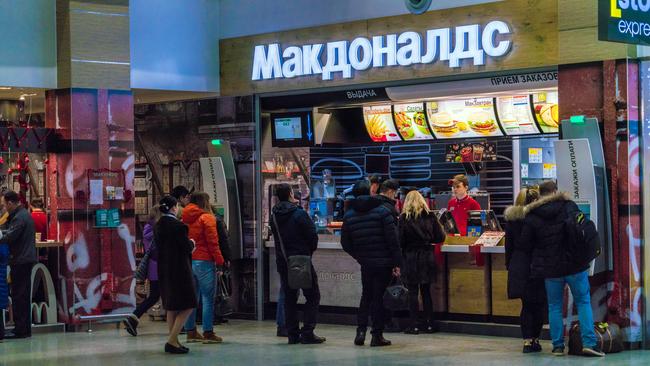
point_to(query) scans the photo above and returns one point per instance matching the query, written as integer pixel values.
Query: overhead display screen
(288, 128)
(516, 115)
(410, 121)
(379, 123)
(463, 118)
(293, 129)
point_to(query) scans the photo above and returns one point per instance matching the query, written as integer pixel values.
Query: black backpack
(583, 241)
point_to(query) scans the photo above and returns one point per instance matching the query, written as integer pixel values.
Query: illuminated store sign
(471, 42)
(626, 21)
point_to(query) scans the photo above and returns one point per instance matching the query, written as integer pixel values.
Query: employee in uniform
(461, 203)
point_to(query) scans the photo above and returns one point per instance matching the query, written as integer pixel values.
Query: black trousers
(151, 300)
(310, 309)
(532, 318)
(414, 303)
(21, 297)
(374, 281)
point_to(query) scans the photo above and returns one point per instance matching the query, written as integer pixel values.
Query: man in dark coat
(387, 191)
(369, 235)
(545, 227)
(294, 231)
(20, 234)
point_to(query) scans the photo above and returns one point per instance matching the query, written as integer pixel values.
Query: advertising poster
(411, 122)
(463, 118)
(379, 123)
(470, 152)
(516, 115)
(547, 111)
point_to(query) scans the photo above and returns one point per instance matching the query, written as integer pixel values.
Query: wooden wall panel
(534, 26)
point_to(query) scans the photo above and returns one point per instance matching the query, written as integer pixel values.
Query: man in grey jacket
(21, 237)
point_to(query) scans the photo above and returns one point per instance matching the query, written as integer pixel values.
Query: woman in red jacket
(197, 215)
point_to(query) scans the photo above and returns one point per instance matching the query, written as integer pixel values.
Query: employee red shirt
(459, 208)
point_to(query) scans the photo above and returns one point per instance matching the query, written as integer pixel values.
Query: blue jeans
(206, 285)
(279, 310)
(579, 286)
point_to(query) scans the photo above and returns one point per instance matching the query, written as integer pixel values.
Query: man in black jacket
(20, 234)
(369, 235)
(293, 229)
(387, 191)
(545, 227)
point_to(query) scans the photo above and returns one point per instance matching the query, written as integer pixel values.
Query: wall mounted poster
(515, 115)
(411, 122)
(379, 123)
(463, 118)
(547, 111)
(470, 152)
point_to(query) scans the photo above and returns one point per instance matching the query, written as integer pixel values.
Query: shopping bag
(396, 296)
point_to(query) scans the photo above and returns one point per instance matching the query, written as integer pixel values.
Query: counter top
(49, 244)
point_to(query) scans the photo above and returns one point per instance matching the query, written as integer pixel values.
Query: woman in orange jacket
(197, 215)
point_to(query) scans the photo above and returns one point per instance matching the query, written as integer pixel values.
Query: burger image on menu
(443, 124)
(482, 122)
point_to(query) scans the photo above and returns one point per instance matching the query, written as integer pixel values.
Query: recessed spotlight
(5, 88)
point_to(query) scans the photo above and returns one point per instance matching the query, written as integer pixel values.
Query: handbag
(143, 267)
(396, 296)
(610, 339)
(222, 306)
(299, 273)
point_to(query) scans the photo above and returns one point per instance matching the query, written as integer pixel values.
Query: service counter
(471, 280)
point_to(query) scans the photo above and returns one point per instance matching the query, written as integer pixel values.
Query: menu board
(379, 123)
(469, 152)
(515, 115)
(411, 122)
(463, 118)
(547, 111)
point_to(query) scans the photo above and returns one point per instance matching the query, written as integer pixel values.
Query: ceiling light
(5, 88)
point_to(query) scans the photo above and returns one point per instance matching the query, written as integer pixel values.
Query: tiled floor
(254, 344)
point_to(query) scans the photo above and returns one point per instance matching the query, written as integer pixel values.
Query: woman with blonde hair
(419, 228)
(518, 260)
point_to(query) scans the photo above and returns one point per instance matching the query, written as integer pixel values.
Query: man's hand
(396, 272)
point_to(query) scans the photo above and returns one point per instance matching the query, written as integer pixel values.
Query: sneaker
(311, 338)
(193, 336)
(211, 338)
(360, 339)
(558, 351)
(430, 329)
(131, 326)
(282, 332)
(378, 340)
(592, 352)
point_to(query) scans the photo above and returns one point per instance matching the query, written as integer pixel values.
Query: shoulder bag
(298, 266)
(143, 267)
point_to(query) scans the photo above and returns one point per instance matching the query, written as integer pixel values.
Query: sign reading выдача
(625, 21)
(471, 42)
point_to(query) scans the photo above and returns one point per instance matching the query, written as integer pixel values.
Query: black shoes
(533, 346)
(558, 351)
(282, 332)
(360, 339)
(131, 326)
(378, 340)
(311, 338)
(176, 350)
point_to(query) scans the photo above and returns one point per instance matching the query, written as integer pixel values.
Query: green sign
(625, 21)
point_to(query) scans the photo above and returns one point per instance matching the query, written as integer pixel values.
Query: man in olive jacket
(21, 237)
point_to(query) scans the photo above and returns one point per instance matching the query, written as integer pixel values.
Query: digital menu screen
(410, 121)
(379, 123)
(463, 118)
(547, 111)
(288, 128)
(515, 115)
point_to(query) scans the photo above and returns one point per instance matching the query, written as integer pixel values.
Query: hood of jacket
(515, 213)
(191, 213)
(548, 206)
(284, 208)
(365, 203)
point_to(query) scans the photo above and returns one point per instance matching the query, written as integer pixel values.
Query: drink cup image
(478, 152)
(466, 154)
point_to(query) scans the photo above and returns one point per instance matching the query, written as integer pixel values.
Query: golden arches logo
(614, 9)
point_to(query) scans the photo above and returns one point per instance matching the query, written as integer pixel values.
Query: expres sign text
(473, 42)
(626, 21)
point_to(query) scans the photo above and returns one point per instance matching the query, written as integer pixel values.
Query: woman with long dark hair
(174, 271)
(419, 228)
